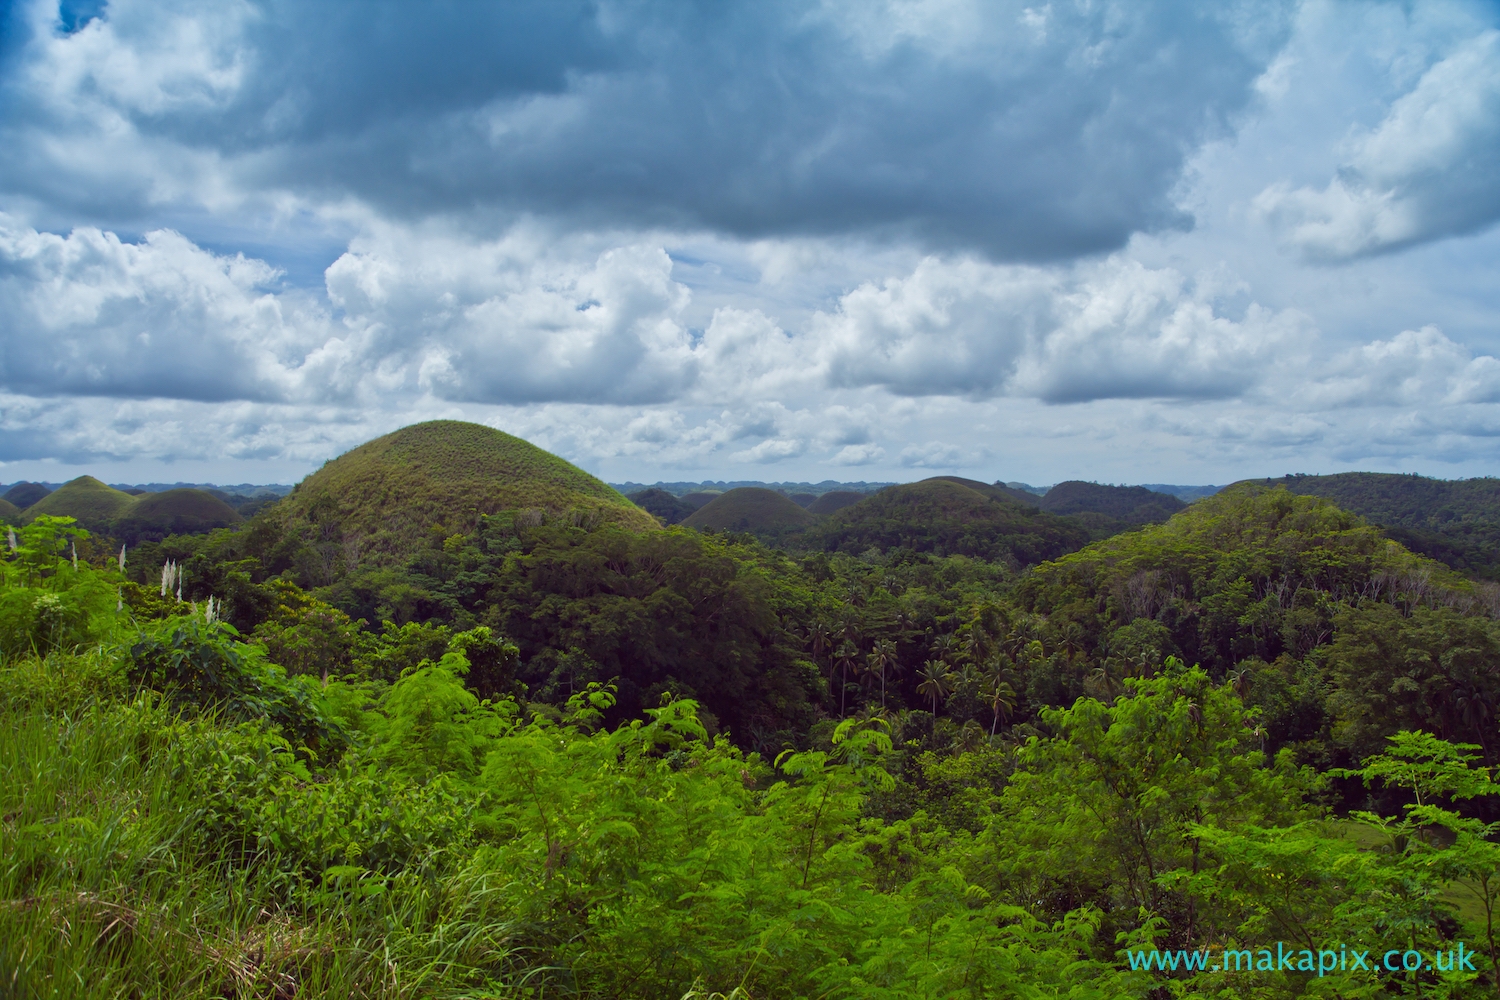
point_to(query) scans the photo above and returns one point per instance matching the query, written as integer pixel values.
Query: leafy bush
(204, 665)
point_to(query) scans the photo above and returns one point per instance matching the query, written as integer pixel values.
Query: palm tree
(847, 656)
(936, 683)
(976, 644)
(881, 659)
(1240, 682)
(943, 647)
(1000, 696)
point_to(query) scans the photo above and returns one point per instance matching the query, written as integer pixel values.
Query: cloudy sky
(848, 239)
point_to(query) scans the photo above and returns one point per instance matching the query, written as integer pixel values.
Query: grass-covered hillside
(377, 503)
(1456, 521)
(94, 505)
(134, 517)
(752, 509)
(833, 502)
(155, 516)
(23, 495)
(946, 517)
(9, 512)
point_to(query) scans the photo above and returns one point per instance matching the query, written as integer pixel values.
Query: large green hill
(9, 512)
(947, 517)
(23, 495)
(386, 498)
(93, 504)
(750, 508)
(1455, 521)
(154, 516)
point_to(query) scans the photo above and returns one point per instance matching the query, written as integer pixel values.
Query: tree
(936, 682)
(881, 660)
(847, 657)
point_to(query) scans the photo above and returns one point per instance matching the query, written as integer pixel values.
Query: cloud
(1426, 172)
(1416, 368)
(502, 322)
(1111, 330)
(88, 314)
(1024, 133)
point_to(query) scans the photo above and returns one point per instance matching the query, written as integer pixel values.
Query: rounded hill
(832, 503)
(23, 495)
(946, 517)
(385, 498)
(750, 508)
(93, 504)
(9, 512)
(154, 516)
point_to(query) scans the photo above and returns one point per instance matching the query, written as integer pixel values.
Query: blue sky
(1129, 242)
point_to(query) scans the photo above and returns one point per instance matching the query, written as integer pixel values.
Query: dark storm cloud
(1027, 133)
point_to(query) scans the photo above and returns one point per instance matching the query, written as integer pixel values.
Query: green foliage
(204, 665)
(662, 505)
(1455, 521)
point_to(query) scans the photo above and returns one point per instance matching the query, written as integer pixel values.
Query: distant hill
(1454, 521)
(23, 495)
(998, 491)
(662, 504)
(385, 499)
(722, 486)
(753, 509)
(1187, 494)
(94, 505)
(134, 518)
(154, 516)
(945, 516)
(832, 503)
(805, 500)
(1109, 510)
(697, 500)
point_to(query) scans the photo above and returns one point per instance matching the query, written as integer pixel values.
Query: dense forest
(939, 741)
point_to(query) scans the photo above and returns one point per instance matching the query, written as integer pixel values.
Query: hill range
(442, 475)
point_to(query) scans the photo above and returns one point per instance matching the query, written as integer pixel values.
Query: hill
(1454, 521)
(803, 500)
(9, 512)
(696, 500)
(947, 517)
(93, 504)
(1109, 510)
(23, 495)
(753, 509)
(662, 504)
(385, 499)
(154, 516)
(997, 491)
(832, 503)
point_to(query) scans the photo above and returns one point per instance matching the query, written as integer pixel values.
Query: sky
(852, 239)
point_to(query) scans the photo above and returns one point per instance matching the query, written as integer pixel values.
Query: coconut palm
(936, 682)
(883, 660)
(1000, 696)
(976, 644)
(846, 657)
